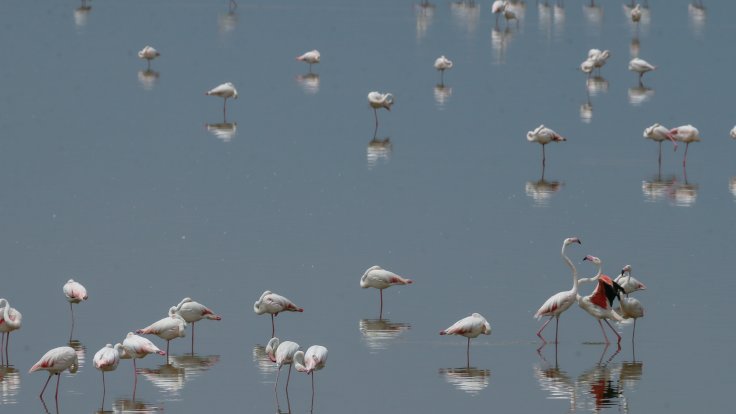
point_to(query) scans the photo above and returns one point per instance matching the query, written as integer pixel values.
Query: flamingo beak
(585, 258)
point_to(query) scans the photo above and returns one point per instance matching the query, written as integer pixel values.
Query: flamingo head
(592, 259)
(572, 240)
(271, 347)
(626, 269)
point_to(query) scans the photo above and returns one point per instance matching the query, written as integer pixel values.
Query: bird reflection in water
(551, 19)
(424, 13)
(658, 188)
(466, 14)
(469, 379)
(9, 384)
(634, 47)
(593, 13)
(442, 94)
(378, 333)
(167, 378)
(133, 406)
(500, 42)
(541, 191)
(263, 363)
(596, 85)
(81, 351)
(224, 131)
(228, 21)
(148, 78)
(309, 82)
(640, 94)
(554, 381)
(644, 20)
(81, 13)
(378, 149)
(696, 11)
(598, 382)
(685, 194)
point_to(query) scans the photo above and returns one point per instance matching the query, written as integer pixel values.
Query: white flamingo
(105, 360)
(75, 293)
(627, 282)
(273, 304)
(659, 133)
(313, 360)
(636, 14)
(543, 135)
(10, 320)
(55, 362)
(561, 301)
(148, 53)
(598, 57)
(378, 278)
(641, 67)
(312, 57)
(598, 303)
(470, 327)
(379, 100)
(168, 328)
(442, 64)
(686, 134)
(282, 353)
(193, 312)
(733, 132)
(137, 347)
(226, 91)
(631, 308)
(498, 7)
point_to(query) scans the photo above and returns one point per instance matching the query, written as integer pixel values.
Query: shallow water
(130, 181)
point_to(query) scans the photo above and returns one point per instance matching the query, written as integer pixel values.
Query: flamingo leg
(103, 389)
(544, 156)
(58, 379)
(275, 387)
(660, 153)
(633, 334)
(312, 407)
(604, 332)
(167, 352)
(45, 385)
(72, 331)
(273, 328)
(375, 115)
(684, 160)
(539, 333)
(614, 331)
(224, 110)
(380, 313)
(7, 355)
(467, 353)
(192, 338)
(2, 353)
(288, 377)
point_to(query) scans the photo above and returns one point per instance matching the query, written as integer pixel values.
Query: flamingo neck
(572, 267)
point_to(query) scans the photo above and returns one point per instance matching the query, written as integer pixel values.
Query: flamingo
(544, 136)
(598, 304)
(641, 67)
(659, 133)
(75, 293)
(561, 301)
(273, 303)
(380, 100)
(587, 66)
(733, 132)
(441, 64)
(627, 282)
(55, 362)
(226, 90)
(598, 57)
(636, 13)
(498, 7)
(107, 359)
(168, 328)
(313, 360)
(311, 57)
(686, 134)
(378, 278)
(469, 327)
(10, 320)
(148, 53)
(631, 308)
(509, 15)
(136, 347)
(282, 353)
(193, 312)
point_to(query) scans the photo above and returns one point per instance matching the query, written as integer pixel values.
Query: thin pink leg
(604, 332)
(273, 327)
(634, 333)
(467, 353)
(557, 327)
(684, 160)
(45, 385)
(380, 313)
(539, 333)
(288, 377)
(192, 338)
(58, 379)
(614, 331)
(276, 386)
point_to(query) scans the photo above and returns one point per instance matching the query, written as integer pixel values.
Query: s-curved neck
(572, 267)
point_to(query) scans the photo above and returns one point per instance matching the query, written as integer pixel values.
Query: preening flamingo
(105, 360)
(312, 57)
(561, 301)
(137, 347)
(598, 304)
(641, 67)
(226, 91)
(598, 57)
(379, 100)
(168, 328)
(313, 360)
(376, 277)
(282, 353)
(442, 64)
(55, 362)
(627, 282)
(75, 293)
(543, 135)
(274, 304)
(659, 133)
(686, 134)
(148, 53)
(10, 320)
(469, 327)
(193, 312)
(636, 13)
(498, 7)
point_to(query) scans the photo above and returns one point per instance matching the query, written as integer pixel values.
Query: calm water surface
(130, 181)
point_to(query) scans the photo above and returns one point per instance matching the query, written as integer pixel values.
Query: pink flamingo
(168, 328)
(627, 282)
(75, 293)
(273, 303)
(10, 320)
(686, 134)
(282, 353)
(598, 304)
(544, 136)
(193, 312)
(105, 360)
(469, 327)
(312, 57)
(313, 360)
(631, 308)
(378, 278)
(659, 133)
(137, 347)
(561, 301)
(55, 362)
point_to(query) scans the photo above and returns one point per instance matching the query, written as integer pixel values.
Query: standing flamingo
(627, 282)
(75, 293)
(659, 133)
(378, 278)
(686, 134)
(544, 136)
(313, 360)
(273, 303)
(55, 362)
(312, 57)
(631, 308)
(226, 90)
(733, 132)
(641, 67)
(168, 328)
(561, 301)
(107, 359)
(599, 58)
(10, 320)
(498, 7)
(148, 53)
(193, 312)
(598, 304)
(469, 327)
(282, 353)
(442, 64)
(137, 347)
(379, 100)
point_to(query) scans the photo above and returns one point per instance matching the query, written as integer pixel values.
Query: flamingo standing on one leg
(10, 320)
(631, 308)
(193, 312)
(469, 327)
(282, 353)
(107, 359)
(226, 91)
(313, 360)
(641, 67)
(168, 328)
(75, 293)
(312, 57)
(686, 134)
(442, 64)
(55, 362)
(659, 133)
(627, 282)
(543, 135)
(498, 7)
(379, 100)
(561, 301)
(378, 278)
(273, 303)
(148, 53)
(598, 304)
(137, 347)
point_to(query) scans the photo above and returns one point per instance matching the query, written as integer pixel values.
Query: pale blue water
(110, 175)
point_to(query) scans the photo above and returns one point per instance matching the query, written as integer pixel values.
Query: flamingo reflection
(309, 82)
(500, 42)
(81, 352)
(468, 379)
(167, 378)
(598, 383)
(697, 13)
(148, 78)
(81, 13)
(9, 385)
(554, 381)
(377, 334)
(732, 186)
(133, 406)
(541, 191)
(639, 95)
(224, 131)
(229, 21)
(377, 150)
(442, 94)
(466, 14)
(424, 13)
(593, 13)
(657, 188)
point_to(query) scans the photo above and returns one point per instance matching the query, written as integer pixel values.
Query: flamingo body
(168, 328)
(442, 63)
(282, 353)
(313, 360)
(74, 291)
(687, 134)
(733, 132)
(137, 347)
(636, 13)
(192, 311)
(640, 66)
(55, 362)
(627, 282)
(148, 53)
(379, 100)
(107, 358)
(470, 327)
(273, 303)
(310, 57)
(598, 304)
(376, 277)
